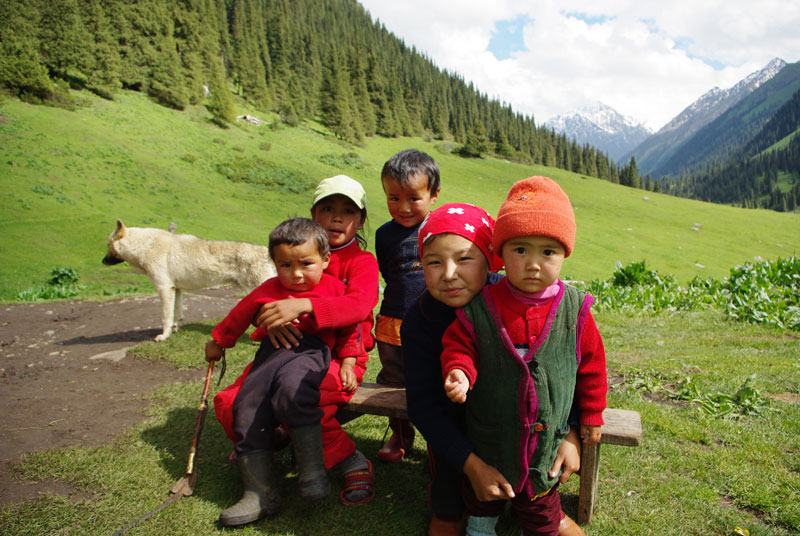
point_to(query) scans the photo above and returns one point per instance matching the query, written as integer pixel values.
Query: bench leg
(590, 463)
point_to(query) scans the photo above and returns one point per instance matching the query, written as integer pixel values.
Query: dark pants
(540, 517)
(445, 488)
(281, 387)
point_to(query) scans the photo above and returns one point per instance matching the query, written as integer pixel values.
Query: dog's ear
(119, 232)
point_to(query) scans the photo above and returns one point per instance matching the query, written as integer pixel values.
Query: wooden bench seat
(622, 427)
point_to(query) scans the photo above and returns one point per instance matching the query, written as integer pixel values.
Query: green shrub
(62, 284)
(63, 275)
(42, 190)
(351, 159)
(635, 273)
(766, 292)
(256, 171)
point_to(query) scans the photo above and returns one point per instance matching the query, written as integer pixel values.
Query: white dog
(177, 262)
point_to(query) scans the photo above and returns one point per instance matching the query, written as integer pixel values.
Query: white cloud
(646, 59)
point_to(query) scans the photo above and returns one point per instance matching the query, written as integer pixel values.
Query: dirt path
(65, 379)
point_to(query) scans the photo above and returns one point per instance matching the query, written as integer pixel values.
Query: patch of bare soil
(65, 378)
(787, 397)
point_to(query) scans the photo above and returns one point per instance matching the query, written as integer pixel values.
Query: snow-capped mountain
(716, 101)
(656, 151)
(602, 127)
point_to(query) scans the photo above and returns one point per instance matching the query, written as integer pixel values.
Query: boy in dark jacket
(411, 183)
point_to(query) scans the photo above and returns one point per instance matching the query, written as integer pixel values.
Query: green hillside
(68, 175)
(764, 173)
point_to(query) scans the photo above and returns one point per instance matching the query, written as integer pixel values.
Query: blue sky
(647, 59)
(507, 37)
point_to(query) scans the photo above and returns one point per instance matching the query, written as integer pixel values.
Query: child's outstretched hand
(348, 376)
(213, 351)
(591, 434)
(487, 482)
(456, 386)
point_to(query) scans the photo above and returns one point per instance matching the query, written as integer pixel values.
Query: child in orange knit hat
(518, 354)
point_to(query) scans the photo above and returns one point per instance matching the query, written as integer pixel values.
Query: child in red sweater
(283, 385)
(340, 207)
(518, 353)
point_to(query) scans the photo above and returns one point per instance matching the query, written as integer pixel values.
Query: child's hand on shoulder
(456, 386)
(348, 377)
(590, 434)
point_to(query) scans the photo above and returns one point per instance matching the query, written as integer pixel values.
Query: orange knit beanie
(536, 206)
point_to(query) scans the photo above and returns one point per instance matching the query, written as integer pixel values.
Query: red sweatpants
(336, 444)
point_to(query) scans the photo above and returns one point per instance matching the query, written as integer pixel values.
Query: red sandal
(363, 479)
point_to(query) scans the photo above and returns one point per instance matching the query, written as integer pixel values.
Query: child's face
(455, 269)
(533, 263)
(340, 218)
(299, 267)
(409, 204)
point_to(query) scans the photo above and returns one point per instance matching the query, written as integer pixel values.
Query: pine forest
(325, 60)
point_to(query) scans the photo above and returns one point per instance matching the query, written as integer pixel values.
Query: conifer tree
(336, 97)
(399, 110)
(104, 75)
(477, 142)
(188, 32)
(221, 103)
(21, 67)
(439, 114)
(250, 73)
(386, 122)
(501, 145)
(590, 160)
(166, 82)
(66, 46)
(361, 95)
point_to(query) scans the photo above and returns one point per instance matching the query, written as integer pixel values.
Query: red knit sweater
(358, 270)
(343, 342)
(524, 324)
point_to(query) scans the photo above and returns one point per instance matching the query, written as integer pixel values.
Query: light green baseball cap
(342, 185)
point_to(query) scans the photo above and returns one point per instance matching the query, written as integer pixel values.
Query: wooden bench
(622, 427)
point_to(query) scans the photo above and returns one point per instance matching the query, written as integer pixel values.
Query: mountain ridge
(654, 152)
(727, 134)
(603, 127)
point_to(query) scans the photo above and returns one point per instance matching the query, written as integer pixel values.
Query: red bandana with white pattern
(462, 219)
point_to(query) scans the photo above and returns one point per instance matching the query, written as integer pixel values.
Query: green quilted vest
(517, 425)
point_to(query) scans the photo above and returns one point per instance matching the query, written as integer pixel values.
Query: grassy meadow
(694, 474)
(68, 175)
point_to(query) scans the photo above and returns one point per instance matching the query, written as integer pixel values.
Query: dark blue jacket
(400, 265)
(439, 420)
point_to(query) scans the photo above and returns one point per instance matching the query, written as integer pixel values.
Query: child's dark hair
(410, 162)
(296, 231)
(361, 234)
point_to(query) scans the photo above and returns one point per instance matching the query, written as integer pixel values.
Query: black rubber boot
(260, 497)
(312, 478)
